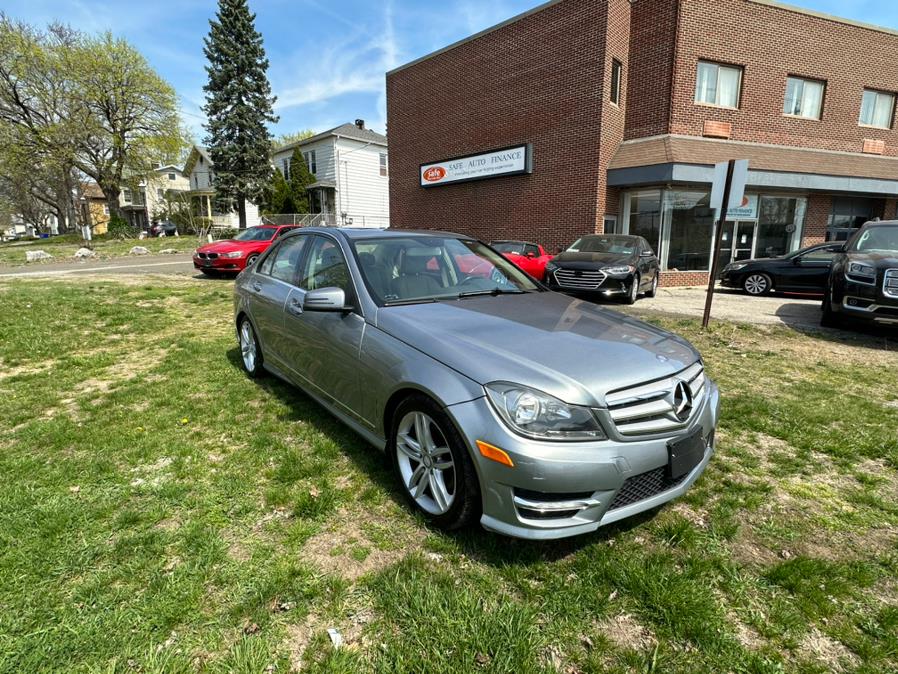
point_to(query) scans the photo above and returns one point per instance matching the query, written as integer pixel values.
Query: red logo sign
(434, 174)
(744, 202)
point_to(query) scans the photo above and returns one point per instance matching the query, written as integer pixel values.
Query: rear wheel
(433, 464)
(250, 353)
(757, 284)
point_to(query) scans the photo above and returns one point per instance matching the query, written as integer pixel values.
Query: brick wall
(541, 80)
(771, 43)
(816, 219)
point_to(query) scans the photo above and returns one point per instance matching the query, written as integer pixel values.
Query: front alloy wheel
(432, 464)
(250, 353)
(756, 284)
(633, 295)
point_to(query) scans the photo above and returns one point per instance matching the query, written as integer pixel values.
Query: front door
(323, 347)
(738, 242)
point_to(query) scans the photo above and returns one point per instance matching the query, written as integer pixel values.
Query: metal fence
(326, 220)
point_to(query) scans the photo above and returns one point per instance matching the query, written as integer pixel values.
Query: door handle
(257, 287)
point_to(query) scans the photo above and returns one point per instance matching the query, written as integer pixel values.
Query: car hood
(591, 260)
(569, 348)
(881, 260)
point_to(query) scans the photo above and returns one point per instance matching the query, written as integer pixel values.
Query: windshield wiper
(494, 293)
(402, 303)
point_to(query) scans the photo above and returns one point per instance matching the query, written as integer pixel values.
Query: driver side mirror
(325, 299)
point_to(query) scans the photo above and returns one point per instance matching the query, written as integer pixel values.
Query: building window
(718, 85)
(616, 71)
(691, 225)
(126, 195)
(172, 176)
(383, 164)
(847, 215)
(285, 165)
(105, 209)
(877, 109)
(311, 161)
(780, 220)
(645, 217)
(160, 194)
(804, 98)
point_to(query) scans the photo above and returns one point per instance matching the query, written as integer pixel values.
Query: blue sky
(328, 57)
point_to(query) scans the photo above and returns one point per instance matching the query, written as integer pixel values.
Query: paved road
(181, 264)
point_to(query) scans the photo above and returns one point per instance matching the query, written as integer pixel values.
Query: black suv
(863, 283)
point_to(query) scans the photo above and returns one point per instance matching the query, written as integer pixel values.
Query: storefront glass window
(779, 220)
(645, 217)
(847, 215)
(691, 225)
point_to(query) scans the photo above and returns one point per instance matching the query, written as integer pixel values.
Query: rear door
(271, 284)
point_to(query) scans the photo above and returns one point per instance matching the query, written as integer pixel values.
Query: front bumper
(866, 302)
(556, 490)
(611, 286)
(219, 263)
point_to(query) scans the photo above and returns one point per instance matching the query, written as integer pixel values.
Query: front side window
(283, 263)
(717, 84)
(430, 268)
(616, 71)
(325, 267)
(804, 98)
(877, 109)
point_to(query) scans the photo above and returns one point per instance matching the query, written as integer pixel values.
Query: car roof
(881, 223)
(360, 234)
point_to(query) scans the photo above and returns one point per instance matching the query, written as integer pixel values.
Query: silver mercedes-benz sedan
(540, 414)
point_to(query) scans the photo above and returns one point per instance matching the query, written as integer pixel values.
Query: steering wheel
(470, 278)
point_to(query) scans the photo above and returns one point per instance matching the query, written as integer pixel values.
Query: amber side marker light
(494, 454)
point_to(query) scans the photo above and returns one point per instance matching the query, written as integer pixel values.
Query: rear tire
(757, 284)
(250, 352)
(437, 475)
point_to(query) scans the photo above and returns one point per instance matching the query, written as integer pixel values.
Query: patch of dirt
(746, 635)
(625, 632)
(833, 654)
(331, 550)
(26, 370)
(152, 474)
(351, 628)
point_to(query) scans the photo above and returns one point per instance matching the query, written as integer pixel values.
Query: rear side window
(283, 264)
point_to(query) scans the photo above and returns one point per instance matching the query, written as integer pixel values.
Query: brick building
(623, 108)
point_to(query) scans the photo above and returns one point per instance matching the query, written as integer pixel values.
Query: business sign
(737, 187)
(510, 161)
(747, 209)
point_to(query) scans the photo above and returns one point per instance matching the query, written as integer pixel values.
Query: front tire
(829, 318)
(250, 352)
(433, 465)
(633, 295)
(653, 291)
(757, 284)
(251, 260)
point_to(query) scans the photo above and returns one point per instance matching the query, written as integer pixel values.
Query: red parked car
(531, 257)
(233, 255)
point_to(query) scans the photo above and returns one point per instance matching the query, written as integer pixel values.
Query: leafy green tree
(294, 137)
(239, 107)
(300, 178)
(279, 197)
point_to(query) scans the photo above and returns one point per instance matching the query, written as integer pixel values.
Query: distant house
(149, 201)
(94, 209)
(199, 172)
(351, 167)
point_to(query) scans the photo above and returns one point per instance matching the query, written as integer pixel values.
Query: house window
(126, 195)
(172, 176)
(105, 209)
(160, 194)
(616, 71)
(877, 109)
(717, 84)
(383, 164)
(804, 98)
(285, 168)
(196, 182)
(847, 215)
(311, 161)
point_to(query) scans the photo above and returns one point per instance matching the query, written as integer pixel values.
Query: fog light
(852, 303)
(493, 453)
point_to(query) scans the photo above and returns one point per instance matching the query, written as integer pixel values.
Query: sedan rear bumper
(556, 490)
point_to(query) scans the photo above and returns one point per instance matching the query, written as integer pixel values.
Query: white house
(200, 174)
(351, 167)
(149, 202)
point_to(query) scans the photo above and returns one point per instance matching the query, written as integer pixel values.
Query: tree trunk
(112, 192)
(241, 210)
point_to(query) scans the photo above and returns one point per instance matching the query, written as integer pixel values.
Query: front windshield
(512, 247)
(256, 234)
(877, 239)
(427, 268)
(604, 244)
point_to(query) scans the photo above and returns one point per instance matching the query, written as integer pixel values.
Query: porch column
(208, 206)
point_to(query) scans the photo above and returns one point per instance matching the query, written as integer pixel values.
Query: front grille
(207, 256)
(646, 485)
(579, 280)
(890, 284)
(649, 408)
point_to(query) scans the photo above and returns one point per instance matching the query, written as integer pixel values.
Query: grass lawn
(64, 247)
(162, 513)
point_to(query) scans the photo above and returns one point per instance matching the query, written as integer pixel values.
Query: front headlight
(735, 266)
(551, 266)
(621, 270)
(538, 415)
(865, 271)
(233, 255)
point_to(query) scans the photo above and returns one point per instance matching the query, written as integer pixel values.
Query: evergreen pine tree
(279, 197)
(300, 178)
(239, 106)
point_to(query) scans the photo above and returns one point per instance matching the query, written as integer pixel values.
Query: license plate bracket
(685, 454)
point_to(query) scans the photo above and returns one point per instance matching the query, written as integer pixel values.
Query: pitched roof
(91, 190)
(347, 130)
(196, 151)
